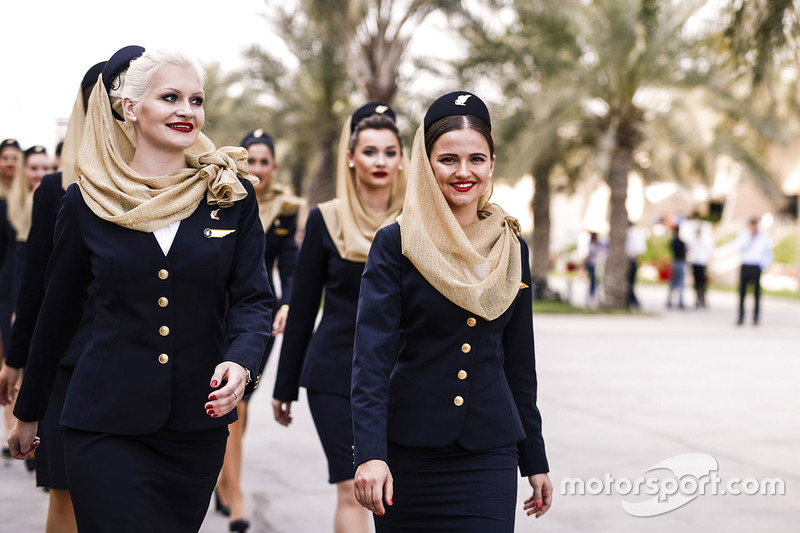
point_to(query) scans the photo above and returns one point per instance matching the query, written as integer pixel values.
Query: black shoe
(740, 322)
(7, 453)
(224, 510)
(239, 525)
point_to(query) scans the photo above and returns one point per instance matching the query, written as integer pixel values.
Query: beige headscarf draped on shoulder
(275, 202)
(351, 226)
(72, 142)
(478, 268)
(115, 192)
(20, 200)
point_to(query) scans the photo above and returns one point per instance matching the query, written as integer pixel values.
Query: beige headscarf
(72, 141)
(477, 268)
(115, 192)
(351, 226)
(20, 201)
(277, 201)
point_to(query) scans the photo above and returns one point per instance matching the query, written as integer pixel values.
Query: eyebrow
(173, 90)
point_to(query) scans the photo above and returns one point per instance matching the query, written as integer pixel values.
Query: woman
(166, 238)
(369, 194)
(277, 209)
(444, 379)
(50, 472)
(10, 151)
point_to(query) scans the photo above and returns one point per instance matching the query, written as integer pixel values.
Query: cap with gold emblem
(457, 103)
(367, 110)
(259, 136)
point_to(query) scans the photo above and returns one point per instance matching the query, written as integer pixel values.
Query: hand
(9, 383)
(23, 440)
(282, 411)
(542, 496)
(280, 320)
(224, 400)
(373, 484)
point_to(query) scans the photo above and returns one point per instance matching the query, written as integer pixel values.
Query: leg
(229, 484)
(350, 517)
(633, 265)
(742, 293)
(756, 292)
(60, 515)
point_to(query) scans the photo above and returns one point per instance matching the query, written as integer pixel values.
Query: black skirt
(334, 422)
(451, 489)
(50, 470)
(135, 483)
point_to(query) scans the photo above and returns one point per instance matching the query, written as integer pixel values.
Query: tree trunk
(324, 184)
(540, 250)
(615, 285)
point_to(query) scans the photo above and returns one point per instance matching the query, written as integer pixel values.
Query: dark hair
(374, 122)
(455, 123)
(33, 150)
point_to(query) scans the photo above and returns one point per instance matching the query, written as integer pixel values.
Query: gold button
(163, 302)
(462, 375)
(163, 274)
(471, 322)
(466, 347)
(164, 330)
(163, 359)
(459, 401)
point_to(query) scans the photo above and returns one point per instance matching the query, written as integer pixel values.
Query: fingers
(282, 412)
(542, 497)
(372, 481)
(280, 320)
(224, 400)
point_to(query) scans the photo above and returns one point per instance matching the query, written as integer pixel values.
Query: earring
(490, 174)
(351, 164)
(400, 167)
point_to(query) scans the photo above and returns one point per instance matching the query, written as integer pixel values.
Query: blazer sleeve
(306, 296)
(249, 316)
(67, 278)
(37, 254)
(287, 262)
(520, 370)
(376, 344)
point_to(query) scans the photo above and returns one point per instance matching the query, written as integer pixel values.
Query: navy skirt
(334, 421)
(50, 470)
(134, 483)
(451, 489)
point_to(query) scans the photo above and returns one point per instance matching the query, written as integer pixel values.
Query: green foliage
(785, 250)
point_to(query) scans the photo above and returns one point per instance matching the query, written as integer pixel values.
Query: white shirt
(635, 243)
(166, 235)
(756, 249)
(700, 250)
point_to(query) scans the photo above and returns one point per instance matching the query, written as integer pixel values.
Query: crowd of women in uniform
(139, 304)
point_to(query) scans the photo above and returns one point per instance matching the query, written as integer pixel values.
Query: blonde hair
(139, 75)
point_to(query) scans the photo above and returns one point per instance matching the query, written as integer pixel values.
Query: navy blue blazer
(319, 360)
(162, 323)
(282, 248)
(39, 247)
(427, 373)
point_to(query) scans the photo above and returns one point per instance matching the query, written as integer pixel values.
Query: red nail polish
(214, 383)
(538, 505)
(212, 397)
(390, 502)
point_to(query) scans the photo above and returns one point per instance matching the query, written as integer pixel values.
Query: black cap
(10, 142)
(36, 149)
(457, 103)
(91, 75)
(367, 110)
(118, 62)
(259, 136)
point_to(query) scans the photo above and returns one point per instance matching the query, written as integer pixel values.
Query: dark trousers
(633, 266)
(749, 274)
(699, 274)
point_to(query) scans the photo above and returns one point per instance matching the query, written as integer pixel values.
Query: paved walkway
(618, 395)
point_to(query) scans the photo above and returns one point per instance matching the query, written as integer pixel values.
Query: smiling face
(170, 115)
(36, 166)
(8, 162)
(462, 165)
(376, 158)
(261, 164)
